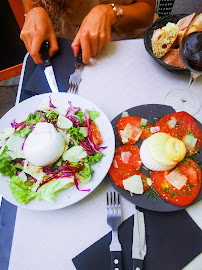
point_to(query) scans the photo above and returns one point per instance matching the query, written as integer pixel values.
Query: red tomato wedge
(95, 133)
(188, 193)
(126, 163)
(134, 123)
(185, 125)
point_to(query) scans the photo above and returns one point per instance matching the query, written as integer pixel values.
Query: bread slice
(163, 39)
(182, 25)
(184, 22)
(180, 36)
(172, 58)
(196, 25)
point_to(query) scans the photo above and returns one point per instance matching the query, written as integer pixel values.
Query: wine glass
(191, 55)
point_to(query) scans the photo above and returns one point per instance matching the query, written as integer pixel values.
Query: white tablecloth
(123, 75)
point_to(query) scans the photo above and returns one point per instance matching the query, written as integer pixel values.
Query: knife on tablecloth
(48, 69)
(139, 247)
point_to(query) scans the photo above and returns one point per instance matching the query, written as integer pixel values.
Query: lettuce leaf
(75, 133)
(34, 118)
(24, 132)
(93, 114)
(52, 116)
(48, 191)
(20, 191)
(86, 173)
(23, 193)
(80, 115)
(94, 158)
(8, 166)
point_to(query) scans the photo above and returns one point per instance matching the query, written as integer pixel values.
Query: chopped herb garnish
(190, 132)
(173, 194)
(166, 189)
(190, 185)
(151, 193)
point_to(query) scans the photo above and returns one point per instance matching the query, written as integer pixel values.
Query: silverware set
(114, 220)
(74, 79)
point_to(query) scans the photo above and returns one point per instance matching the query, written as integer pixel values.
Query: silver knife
(139, 247)
(48, 69)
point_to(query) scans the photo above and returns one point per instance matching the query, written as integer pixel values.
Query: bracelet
(117, 10)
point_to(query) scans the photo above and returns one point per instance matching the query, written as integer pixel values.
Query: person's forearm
(135, 16)
(28, 5)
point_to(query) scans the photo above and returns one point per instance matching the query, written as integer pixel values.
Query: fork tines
(73, 88)
(113, 203)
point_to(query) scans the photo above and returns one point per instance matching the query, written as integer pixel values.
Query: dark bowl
(148, 36)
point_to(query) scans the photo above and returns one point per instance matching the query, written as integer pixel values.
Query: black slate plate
(148, 36)
(151, 112)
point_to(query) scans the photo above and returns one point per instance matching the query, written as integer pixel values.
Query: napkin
(63, 63)
(7, 224)
(173, 240)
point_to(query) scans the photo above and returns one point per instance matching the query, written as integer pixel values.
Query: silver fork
(75, 78)
(114, 220)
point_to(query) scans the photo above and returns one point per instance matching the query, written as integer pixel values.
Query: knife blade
(48, 69)
(139, 247)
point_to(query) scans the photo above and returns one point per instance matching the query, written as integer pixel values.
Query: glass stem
(191, 81)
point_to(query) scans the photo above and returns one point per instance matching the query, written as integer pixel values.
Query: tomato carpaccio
(126, 162)
(188, 193)
(133, 121)
(185, 125)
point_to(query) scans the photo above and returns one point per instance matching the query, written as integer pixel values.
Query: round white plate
(72, 195)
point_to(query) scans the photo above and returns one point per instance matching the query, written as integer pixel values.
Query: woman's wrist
(33, 9)
(108, 11)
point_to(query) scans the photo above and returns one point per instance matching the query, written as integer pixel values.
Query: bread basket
(148, 36)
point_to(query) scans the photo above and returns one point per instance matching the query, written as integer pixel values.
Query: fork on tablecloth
(75, 78)
(114, 220)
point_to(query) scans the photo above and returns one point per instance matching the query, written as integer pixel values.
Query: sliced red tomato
(188, 193)
(126, 163)
(134, 121)
(185, 125)
(95, 133)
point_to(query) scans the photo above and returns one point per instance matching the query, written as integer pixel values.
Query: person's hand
(37, 28)
(95, 32)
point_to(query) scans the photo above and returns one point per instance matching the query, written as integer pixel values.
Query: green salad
(52, 150)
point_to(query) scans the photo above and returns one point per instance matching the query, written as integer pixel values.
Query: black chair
(167, 7)
(164, 7)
